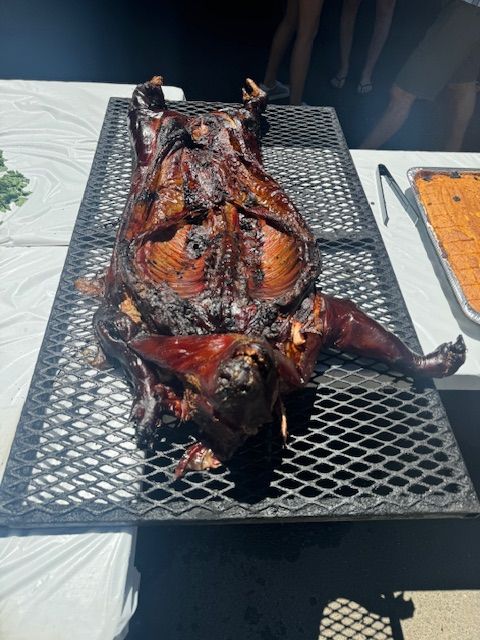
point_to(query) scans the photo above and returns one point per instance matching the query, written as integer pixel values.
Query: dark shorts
(449, 53)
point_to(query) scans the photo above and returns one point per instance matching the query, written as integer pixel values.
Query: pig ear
(181, 355)
(287, 371)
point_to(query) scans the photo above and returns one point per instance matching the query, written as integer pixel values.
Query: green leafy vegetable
(12, 187)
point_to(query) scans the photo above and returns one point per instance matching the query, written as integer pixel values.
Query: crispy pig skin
(209, 303)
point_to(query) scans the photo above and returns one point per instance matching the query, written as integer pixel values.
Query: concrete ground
(382, 580)
(435, 614)
(444, 614)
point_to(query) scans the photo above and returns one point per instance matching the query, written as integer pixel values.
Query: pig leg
(114, 329)
(349, 329)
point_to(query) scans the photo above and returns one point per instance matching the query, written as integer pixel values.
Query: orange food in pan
(452, 205)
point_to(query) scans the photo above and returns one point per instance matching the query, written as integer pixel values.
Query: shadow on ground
(288, 581)
(299, 581)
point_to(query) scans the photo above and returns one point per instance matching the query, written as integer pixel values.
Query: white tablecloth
(48, 132)
(60, 585)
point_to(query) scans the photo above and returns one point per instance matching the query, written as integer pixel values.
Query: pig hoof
(446, 360)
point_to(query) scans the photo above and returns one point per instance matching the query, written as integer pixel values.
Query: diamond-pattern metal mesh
(345, 619)
(365, 442)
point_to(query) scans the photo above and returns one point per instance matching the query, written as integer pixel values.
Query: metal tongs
(382, 171)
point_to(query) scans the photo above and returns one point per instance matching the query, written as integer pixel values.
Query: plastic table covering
(52, 586)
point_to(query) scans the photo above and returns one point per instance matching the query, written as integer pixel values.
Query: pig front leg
(114, 329)
(349, 329)
(145, 117)
(153, 128)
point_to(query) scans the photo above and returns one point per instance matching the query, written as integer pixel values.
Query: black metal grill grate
(365, 442)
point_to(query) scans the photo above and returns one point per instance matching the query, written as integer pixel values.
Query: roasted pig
(210, 303)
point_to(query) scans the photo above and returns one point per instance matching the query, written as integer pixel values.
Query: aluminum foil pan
(412, 175)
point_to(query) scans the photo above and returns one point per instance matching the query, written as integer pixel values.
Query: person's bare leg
(392, 120)
(308, 18)
(347, 26)
(383, 20)
(462, 103)
(280, 42)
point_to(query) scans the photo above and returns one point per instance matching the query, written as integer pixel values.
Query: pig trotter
(444, 361)
(197, 457)
(254, 99)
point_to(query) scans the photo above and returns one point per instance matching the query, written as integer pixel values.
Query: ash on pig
(210, 304)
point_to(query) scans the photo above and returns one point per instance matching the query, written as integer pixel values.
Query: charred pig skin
(210, 302)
